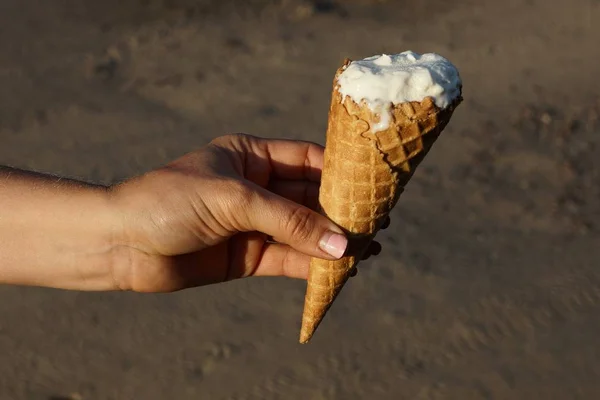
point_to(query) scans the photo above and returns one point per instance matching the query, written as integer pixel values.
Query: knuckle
(232, 204)
(240, 194)
(237, 137)
(220, 140)
(231, 138)
(243, 192)
(300, 224)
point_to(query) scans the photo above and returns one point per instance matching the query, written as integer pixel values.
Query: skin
(240, 206)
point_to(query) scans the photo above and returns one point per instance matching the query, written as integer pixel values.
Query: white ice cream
(393, 79)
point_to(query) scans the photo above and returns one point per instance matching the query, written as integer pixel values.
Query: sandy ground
(489, 283)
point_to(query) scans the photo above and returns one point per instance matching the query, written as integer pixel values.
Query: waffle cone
(363, 176)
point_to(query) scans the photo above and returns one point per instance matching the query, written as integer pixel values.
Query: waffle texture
(363, 176)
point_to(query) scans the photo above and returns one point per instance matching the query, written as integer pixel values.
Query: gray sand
(488, 286)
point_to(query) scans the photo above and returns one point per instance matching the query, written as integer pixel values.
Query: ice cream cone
(363, 176)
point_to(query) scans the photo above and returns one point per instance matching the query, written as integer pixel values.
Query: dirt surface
(489, 283)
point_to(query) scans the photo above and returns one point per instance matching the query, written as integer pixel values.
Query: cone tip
(304, 337)
(307, 330)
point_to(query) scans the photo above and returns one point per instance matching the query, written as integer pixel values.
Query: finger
(287, 222)
(291, 159)
(374, 248)
(282, 260)
(386, 223)
(301, 192)
(244, 253)
(251, 256)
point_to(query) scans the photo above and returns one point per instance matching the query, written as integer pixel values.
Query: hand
(241, 206)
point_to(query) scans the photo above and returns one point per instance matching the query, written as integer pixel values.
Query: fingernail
(333, 244)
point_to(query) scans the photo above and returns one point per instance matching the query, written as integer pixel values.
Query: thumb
(293, 224)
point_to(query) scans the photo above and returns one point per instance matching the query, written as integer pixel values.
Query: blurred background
(488, 286)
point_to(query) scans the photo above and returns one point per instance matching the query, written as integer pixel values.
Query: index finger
(281, 260)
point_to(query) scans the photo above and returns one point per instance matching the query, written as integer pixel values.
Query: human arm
(204, 218)
(55, 232)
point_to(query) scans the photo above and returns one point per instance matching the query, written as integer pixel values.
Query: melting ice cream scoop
(386, 80)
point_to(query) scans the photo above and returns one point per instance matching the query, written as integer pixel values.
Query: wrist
(129, 246)
(119, 241)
